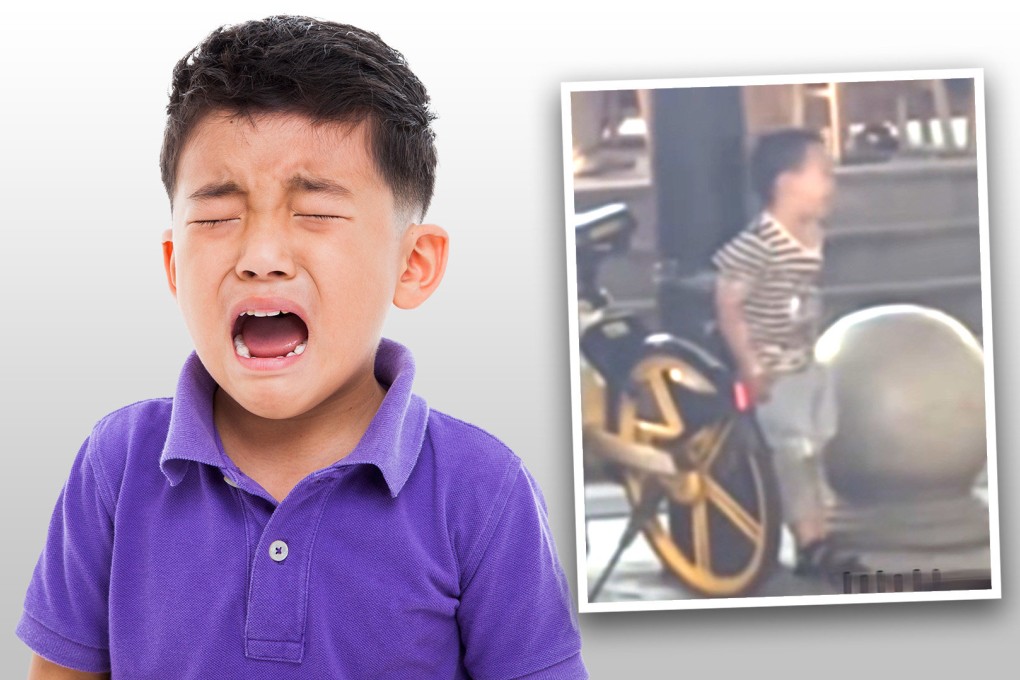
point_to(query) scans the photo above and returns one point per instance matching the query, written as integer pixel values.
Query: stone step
(904, 252)
(905, 191)
(959, 297)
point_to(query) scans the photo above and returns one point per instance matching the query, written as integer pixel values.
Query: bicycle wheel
(720, 536)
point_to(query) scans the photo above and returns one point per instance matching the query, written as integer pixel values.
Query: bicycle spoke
(671, 425)
(702, 541)
(715, 444)
(733, 511)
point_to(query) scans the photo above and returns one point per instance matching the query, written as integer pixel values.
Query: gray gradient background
(90, 326)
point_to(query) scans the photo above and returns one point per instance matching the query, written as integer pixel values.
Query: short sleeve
(516, 615)
(65, 609)
(743, 257)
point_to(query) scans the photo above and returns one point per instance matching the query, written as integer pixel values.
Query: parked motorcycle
(669, 422)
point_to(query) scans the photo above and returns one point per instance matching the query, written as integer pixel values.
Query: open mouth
(269, 334)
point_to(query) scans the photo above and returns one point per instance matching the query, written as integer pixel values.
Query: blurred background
(905, 223)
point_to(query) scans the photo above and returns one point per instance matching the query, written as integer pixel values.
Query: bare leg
(800, 486)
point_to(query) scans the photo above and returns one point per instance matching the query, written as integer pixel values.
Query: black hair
(329, 72)
(778, 152)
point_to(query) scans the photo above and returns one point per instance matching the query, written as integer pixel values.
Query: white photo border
(584, 606)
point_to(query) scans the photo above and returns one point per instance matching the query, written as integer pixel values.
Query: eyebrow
(298, 182)
(318, 185)
(216, 190)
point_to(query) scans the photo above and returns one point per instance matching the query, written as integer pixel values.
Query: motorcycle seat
(606, 228)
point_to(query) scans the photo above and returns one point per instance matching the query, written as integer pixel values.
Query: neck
(791, 218)
(295, 447)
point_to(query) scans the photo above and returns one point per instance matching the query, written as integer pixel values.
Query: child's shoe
(820, 559)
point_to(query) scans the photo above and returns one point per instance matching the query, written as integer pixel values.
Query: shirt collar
(767, 217)
(391, 442)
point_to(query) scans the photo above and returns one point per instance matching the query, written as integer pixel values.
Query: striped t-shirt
(783, 304)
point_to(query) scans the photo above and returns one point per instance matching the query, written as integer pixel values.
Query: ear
(426, 247)
(169, 264)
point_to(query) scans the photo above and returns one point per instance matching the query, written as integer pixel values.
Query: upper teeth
(252, 312)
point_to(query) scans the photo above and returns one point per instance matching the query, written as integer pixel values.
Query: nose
(265, 250)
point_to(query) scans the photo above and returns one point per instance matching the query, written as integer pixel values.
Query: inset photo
(780, 340)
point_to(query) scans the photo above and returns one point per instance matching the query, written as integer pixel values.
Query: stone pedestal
(905, 465)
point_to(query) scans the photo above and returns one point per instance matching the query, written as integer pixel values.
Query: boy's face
(281, 214)
(811, 186)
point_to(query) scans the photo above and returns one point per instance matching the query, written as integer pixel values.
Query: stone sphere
(909, 386)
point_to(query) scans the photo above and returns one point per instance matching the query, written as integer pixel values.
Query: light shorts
(801, 411)
(798, 421)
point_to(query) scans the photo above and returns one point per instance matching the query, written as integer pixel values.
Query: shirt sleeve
(742, 258)
(516, 615)
(65, 609)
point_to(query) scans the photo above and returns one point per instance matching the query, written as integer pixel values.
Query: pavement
(640, 576)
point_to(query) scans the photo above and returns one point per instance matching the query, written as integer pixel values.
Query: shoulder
(758, 236)
(767, 231)
(137, 414)
(141, 420)
(747, 252)
(470, 462)
(474, 475)
(459, 444)
(122, 436)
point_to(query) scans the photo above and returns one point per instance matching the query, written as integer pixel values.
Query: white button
(278, 550)
(229, 481)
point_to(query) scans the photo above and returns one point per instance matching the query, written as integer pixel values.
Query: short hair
(778, 152)
(329, 72)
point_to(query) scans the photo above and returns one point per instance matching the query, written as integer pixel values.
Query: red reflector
(740, 396)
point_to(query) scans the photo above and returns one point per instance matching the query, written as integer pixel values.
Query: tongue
(273, 336)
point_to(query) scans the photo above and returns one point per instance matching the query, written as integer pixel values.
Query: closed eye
(211, 222)
(324, 218)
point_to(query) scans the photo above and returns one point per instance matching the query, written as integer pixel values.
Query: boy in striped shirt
(768, 306)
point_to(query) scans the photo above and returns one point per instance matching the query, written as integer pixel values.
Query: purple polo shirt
(424, 553)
